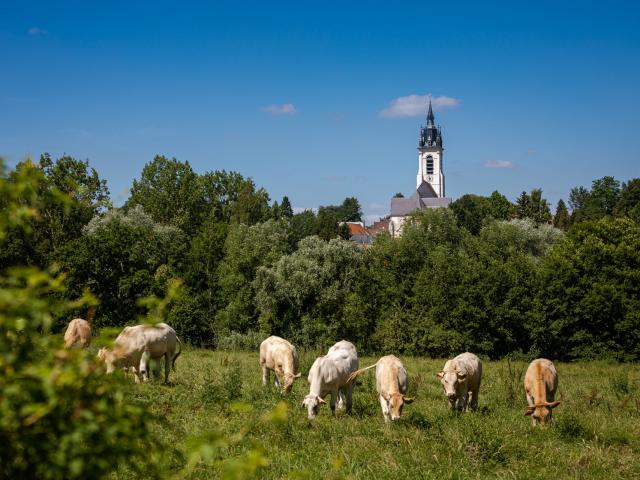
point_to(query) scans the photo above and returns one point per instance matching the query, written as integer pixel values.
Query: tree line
(487, 275)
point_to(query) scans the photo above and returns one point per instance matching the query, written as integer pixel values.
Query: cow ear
(440, 374)
(529, 411)
(321, 400)
(407, 399)
(553, 404)
(386, 396)
(461, 375)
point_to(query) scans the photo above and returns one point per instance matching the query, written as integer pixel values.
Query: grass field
(596, 432)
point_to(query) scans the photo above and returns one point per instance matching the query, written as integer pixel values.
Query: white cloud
(498, 164)
(37, 31)
(416, 105)
(284, 109)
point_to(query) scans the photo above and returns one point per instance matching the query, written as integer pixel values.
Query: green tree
(590, 295)
(285, 206)
(328, 224)
(350, 210)
(303, 225)
(246, 249)
(170, 191)
(302, 295)
(533, 206)
(561, 218)
(500, 207)
(471, 210)
(629, 200)
(120, 258)
(70, 194)
(596, 203)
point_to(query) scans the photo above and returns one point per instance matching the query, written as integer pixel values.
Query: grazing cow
(135, 346)
(540, 385)
(460, 379)
(391, 385)
(78, 332)
(280, 356)
(330, 374)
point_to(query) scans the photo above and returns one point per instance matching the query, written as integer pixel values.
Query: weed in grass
(620, 384)
(483, 447)
(571, 427)
(511, 378)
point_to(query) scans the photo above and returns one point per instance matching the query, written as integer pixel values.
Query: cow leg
(167, 366)
(349, 397)
(277, 380)
(156, 367)
(385, 408)
(144, 366)
(334, 396)
(473, 400)
(265, 375)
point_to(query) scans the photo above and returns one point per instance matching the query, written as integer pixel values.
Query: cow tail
(359, 371)
(173, 364)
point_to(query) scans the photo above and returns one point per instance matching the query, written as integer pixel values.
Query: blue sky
(300, 95)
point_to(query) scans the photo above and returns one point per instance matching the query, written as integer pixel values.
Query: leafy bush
(235, 341)
(60, 417)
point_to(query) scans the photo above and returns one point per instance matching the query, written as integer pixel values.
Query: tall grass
(221, 392)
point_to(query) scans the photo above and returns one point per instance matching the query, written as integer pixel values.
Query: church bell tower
(430, 157)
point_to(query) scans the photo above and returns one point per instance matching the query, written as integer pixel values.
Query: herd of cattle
(333, 373)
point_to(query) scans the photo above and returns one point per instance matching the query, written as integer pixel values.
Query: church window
(429, 165)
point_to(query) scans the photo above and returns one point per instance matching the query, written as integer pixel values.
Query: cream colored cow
(391, 385)
(330, 374)
(461, 379)
(135, 346)
(78, 333)
(279, 356)
(540, 385)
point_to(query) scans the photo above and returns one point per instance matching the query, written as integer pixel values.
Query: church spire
(430, 135)
(430, 118)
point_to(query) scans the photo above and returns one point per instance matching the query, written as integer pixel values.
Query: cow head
(395, 402)
(450, 381)
(541, 412)
(287, 382)
(312, 402)
(108, 358)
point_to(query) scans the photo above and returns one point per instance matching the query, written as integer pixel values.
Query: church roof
(401, 207)
(425, 190)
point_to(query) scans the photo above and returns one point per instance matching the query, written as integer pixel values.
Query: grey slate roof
(401, 207)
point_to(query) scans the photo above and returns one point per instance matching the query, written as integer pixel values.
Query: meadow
(218, 419)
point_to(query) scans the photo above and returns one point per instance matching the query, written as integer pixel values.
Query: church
(429, 191)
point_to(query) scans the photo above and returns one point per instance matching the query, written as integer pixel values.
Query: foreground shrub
(60, 416)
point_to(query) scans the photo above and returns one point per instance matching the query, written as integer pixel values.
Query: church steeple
(430, 135)
(430, 117)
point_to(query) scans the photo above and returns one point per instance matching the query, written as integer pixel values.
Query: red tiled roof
(357, 229)
(380, 225)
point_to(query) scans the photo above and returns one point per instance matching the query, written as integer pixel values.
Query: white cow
(330, 374)
(460, 379)
(135, 346)
(391, 385)
(540, 385)
(78, 332)
(279, 356)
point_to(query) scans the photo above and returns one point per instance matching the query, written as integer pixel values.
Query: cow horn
(297, 376)
(321, 400)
